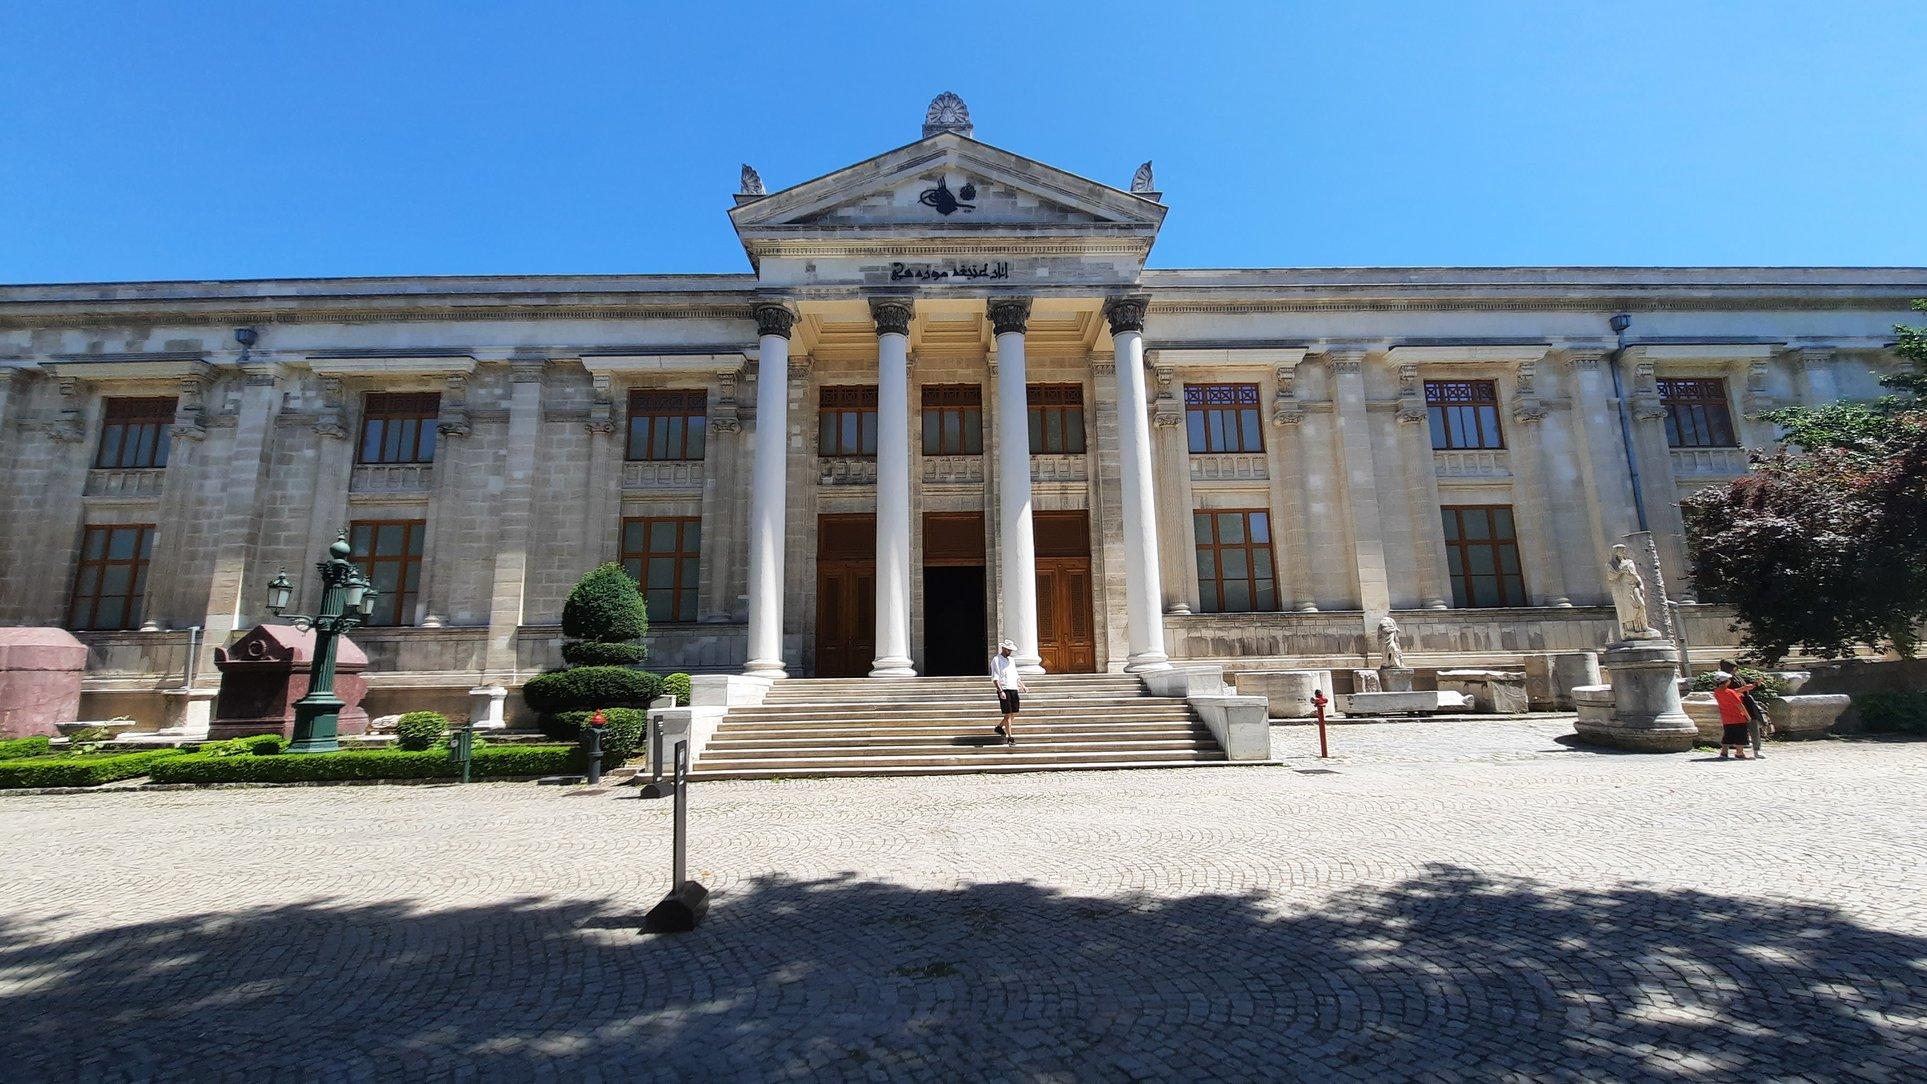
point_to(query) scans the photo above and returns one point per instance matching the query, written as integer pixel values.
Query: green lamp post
(347, 602)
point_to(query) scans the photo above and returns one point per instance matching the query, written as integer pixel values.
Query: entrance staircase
(819, 727)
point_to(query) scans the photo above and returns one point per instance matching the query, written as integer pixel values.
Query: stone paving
(1437, 902)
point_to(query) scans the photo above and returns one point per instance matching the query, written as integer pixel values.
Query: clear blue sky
(184, 140)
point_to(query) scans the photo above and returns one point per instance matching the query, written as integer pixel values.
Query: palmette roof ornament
(1141, 181)
(752, 181)
(947, 113)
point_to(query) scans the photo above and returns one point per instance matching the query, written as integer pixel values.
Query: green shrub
(677, 685)
(621, 739)
(21, 748)
(256, 745)
(605, 608)
(81, 771)
(1893, 713)
(1771, 688)
(586, 687)
(419, 730)
(496, 763)
(590, 653)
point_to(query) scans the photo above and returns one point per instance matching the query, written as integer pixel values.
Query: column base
(1147, 661)
(1307, 607)
(765, 668)
(1436, 604)
(1180, 610)
(896, 667)
(1028, 664)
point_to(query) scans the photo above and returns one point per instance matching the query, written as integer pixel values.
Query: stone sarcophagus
(266, 671)
(40, 672)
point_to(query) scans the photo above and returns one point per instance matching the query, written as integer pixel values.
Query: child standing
(1733, 716)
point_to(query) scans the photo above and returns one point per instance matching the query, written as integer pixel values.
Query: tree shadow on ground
(1449, 972)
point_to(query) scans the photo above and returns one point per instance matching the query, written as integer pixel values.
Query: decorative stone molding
(1057, 468)
(1143, 182)
(1473, 463)
(752, 181)
(1226, 467)
(846, 470)
(892, 315)
(71, 427)
(724, 415)
(1105, 366)
(1285, 408)
(800, 365)
(131, 482)
(190, 408)
(453, 419)
(1757, 400)
(953, 469)
(1345, 361)
(1584, 359)
(1126, 313)
(527, 370)
(1708, 462)
(1526, 404)
(1646, 404)
(947, 113)
(1009, 314)
(1165, 409)
(602, 404)
(774, 318)
(1811, 357)
(662, 474)
(391, 478)
(332, 419)
(1411, 404)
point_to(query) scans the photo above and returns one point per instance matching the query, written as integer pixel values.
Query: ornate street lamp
(347, 602)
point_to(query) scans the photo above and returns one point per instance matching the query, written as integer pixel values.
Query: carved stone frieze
(1285, 408)
(1411, 404)
(1758, 400)
(331, 420)
(1165, 409)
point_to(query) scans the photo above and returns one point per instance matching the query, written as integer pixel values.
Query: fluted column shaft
(1142, 591)
(767, 491)
(893, 490)
(1016, 548)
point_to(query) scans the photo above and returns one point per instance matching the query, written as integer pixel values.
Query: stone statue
(1629, 596)
(947, 113)
(1388, 642)
(752, 181)
(1141, 180)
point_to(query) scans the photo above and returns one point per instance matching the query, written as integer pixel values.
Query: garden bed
(370, 764)
(81, 770)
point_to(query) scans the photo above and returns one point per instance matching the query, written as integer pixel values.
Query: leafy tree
(604, 617)
(1824, 545)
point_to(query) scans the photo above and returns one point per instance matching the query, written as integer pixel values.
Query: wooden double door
(1066, 629)
(846, 595)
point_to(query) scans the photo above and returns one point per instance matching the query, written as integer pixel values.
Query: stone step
(986, 745)
(727, 732)
(956, 711)
(986, 766)
(1001, 755)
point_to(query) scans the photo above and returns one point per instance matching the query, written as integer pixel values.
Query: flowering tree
(1823, 546)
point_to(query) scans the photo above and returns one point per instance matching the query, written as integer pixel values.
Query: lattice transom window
(1696, 413)
(399, 427)
(667, 425)
(1056, 419)
(1222, 418)
(1464, 414)
(847, 421)
(953, 419)
(135, 432)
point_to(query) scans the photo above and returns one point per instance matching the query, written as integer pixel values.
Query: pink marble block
(40, 672)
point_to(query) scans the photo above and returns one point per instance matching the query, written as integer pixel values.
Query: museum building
(947, 404)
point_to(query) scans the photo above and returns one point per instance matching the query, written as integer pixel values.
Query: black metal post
(657, 787)
(687, 902)
(592, 744)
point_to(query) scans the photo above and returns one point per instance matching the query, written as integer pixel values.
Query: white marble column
(1016, 547)
(1143, 595)
(768, 490)
(893, 489)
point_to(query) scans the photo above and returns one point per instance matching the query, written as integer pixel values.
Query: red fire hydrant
(1318, 703)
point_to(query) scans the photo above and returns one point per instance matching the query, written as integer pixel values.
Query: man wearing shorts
(1010, 683)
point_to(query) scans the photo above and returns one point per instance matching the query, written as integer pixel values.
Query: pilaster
(1353, 442)
(1813, 368)
(509, 586)
(1171, 476)
(229, 600)
(1659, 486)
(1533, 510)
(1429, 562)
(725, 505)
(455, 456)
(1601, 457)
(1290, 494)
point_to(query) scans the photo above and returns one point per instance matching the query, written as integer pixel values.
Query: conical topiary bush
(604, 618)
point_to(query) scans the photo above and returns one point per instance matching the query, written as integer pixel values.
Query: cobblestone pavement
(1467, 900)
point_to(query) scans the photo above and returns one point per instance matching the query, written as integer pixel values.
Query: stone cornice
(621, 364)
(1232, 357)
(128, 366)
(1467, 354)
(390, 365)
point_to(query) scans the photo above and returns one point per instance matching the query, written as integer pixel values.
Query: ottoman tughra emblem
(944, 202)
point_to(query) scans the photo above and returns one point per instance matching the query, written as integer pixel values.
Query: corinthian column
(1016, 548)
(766, 492)
(1143, 595)
(893, 489)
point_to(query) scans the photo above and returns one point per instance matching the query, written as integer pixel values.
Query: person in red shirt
(1733, 717)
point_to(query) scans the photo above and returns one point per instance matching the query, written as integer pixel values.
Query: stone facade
(530, 477)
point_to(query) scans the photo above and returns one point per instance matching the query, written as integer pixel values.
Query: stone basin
(1796, 718)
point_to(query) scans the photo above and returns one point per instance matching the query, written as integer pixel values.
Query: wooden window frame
(1698, 412)
(685, 562)
(396, 606)
(86, 589)
(1205, 404)
(1474, 406)
(1211, 549)
(667, 425)
(1510, 586)
(401, 425)
(953, 419)
(136, 432)
(1063, 403)
(835, 439)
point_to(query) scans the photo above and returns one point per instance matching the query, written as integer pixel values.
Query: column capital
(1126, 313)
(527, 370)
(774, 318)
(1806, 357)
(892, 314)
(1009, 314)
(1584, 359)
(1346, 360)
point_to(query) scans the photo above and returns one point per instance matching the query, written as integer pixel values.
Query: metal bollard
(461, 747)
(688, 901)
(657, 787)
(1318, 702)
(592, 746)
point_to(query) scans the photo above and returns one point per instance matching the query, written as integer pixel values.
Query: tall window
(399, 427)
(1696, 413)
(390, 551)
(661, 554)
(1464, 414)
(112, 577)
(667, 424)
(1234, 562)
(953, 419)
(1056, 419)
(1483, 553)
(1222, 418)
(847, 421)
(136, 432)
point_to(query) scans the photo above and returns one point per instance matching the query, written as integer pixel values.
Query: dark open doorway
(954, 638)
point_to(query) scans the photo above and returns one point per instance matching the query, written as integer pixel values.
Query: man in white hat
(1003, 674)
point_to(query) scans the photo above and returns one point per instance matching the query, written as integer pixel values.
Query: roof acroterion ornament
(1141, 180)
(947, 113)
(752, 181)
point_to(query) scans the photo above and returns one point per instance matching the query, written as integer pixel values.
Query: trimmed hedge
(21, 748)
(588, 687)
(591, 653)
(251, 745)
(492, 763)
(1893, 712)
(89, 770)
(417, 731)
(677, 685)
(622, 738)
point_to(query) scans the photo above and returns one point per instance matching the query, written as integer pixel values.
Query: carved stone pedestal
(1395, 679)
(1646, 715)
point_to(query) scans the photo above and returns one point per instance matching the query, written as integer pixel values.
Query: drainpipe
(1620, 323)
(193, 649)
